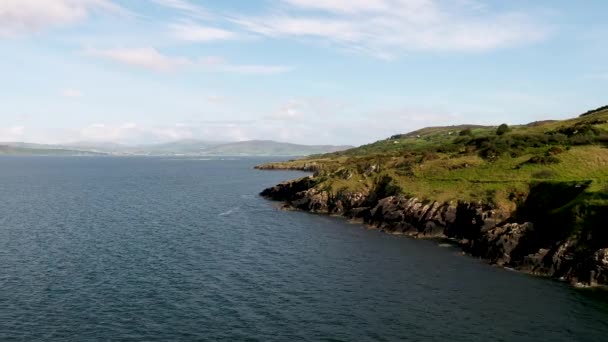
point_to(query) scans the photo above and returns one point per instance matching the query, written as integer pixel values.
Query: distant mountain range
(189, 147)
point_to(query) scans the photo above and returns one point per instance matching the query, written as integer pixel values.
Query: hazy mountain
(270, 148)
(186, 146)
(41, 150)
(190, 147)
(107, 147)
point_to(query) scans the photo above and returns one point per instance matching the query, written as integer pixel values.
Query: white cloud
(216, 99)
(134, 133)
(184, 6)
(130, 132)
(297, 120)
(252, 69)
(390, 28)
(152, 59)
(218, 64)
(71, 93)
(343, 6)
(148, 58)
(18, 17)
(292, 111)
(310, 108)
(197, 33)
(13, 133)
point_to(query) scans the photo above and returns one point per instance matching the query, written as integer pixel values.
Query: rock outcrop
(307, 167)
(525, 240)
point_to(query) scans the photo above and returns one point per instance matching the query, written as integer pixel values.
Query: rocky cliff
(551, 233)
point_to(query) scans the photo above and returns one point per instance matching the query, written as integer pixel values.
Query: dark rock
(503, 238)
(497, 244)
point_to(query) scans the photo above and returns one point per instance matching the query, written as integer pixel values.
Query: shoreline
(478, 230)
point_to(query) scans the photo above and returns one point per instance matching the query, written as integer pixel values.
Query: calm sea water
(162, 249)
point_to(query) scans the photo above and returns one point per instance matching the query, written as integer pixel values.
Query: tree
(502, 129)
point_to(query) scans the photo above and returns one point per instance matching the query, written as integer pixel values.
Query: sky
(303, 71)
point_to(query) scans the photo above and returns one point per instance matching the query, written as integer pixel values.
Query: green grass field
(474, 163)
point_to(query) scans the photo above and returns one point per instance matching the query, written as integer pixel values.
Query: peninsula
(531, 197)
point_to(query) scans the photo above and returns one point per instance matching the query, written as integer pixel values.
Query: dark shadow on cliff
(563, 211)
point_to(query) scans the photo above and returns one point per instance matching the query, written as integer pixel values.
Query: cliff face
(302, 166)
(561, 238)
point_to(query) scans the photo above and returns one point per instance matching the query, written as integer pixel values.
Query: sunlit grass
(440, 163)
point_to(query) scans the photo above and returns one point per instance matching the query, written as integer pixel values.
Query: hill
(269, 148)
(93, 146)
(185, 146)
(532, 197)
(41, 150)
(189, 147)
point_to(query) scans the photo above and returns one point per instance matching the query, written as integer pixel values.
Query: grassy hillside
(496, 165)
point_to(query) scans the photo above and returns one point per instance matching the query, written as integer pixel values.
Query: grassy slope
(441, 163)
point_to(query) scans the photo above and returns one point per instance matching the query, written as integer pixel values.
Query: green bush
(544, 174)
(554, 150)
(502, 129)
(542, 160)
(466, 133)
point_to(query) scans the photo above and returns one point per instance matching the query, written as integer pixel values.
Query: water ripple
(141, 249)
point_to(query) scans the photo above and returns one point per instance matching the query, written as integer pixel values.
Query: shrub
(405, 168)
(556, 138)
(449, 148)
(594, 111)
(428, 155)
(387, 187)
(491, 147)
(502, 129)
(527, 140)
(581, 139)
(543, 174)
(466, 133)
(542, 160)
(490, 153)
(581, 128)
(490, 197)
(554, 150)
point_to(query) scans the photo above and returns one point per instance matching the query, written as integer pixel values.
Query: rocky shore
(532, 239)
(303, 166)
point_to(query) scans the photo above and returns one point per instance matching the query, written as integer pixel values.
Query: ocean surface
(178, 249)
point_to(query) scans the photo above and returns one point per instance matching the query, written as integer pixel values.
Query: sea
(184, 249)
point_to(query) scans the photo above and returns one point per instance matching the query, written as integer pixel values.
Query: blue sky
(305, 71)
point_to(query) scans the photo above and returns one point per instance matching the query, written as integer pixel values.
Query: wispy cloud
(72, 93)
(196, 33)
(184, 6)
(216, 99)
(148, 58)
(292, 111)
(152, 59)
(342, 6)
(131, 132)
(390, 28)
(218, 64)
(19, 17)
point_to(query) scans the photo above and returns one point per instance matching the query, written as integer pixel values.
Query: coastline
(498, 237)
